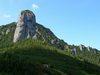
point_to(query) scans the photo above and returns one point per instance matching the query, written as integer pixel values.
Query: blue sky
(75, 21)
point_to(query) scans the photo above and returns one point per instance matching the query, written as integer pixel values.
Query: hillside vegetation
(27, 56)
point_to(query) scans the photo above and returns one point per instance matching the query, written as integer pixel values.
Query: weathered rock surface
(26, 25)
(74, 51)
(89, 48)
(8, 30)
(82, 47)
(36, 36)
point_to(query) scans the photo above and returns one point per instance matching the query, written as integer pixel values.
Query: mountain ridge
(45, 34)
(60, 64)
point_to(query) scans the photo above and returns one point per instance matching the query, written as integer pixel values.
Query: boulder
(8, 30)
(26, 25)
(82, 47)
(89, 48)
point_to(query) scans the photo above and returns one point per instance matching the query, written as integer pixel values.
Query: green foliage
(26, 11)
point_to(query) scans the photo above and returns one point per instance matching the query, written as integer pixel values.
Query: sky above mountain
(75, 21)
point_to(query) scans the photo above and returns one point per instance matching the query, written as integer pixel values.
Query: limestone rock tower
(26, 25)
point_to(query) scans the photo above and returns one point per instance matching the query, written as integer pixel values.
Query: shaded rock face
(56, 42)
(89, 48)
(95, 51)
(26, 26)
(8, 30)
(36, 36)
(74, 51)
(82, 47)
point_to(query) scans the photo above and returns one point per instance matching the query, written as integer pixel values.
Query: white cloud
(35, 6)
(6, 15)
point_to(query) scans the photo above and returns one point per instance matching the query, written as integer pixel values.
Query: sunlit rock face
(8, 30)
(89, 48)
(26, 25)
(82, 47)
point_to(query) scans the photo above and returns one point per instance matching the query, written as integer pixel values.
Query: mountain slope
(28, 56)
(47, 49)
(45, 34)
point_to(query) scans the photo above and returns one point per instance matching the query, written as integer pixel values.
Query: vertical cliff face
(26, 25)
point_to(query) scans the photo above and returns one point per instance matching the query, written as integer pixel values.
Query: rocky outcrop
(8, 30)
(36, 36)
(58, 43)
(95, 51)
(54, 41)
(82, 47)
(26, 25)
(89, 48)
(74, 51)
(40, 34)
(67, 47)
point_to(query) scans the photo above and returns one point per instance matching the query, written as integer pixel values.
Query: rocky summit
(26, 25)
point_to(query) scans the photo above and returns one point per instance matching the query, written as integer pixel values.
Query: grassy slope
(28, 59)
